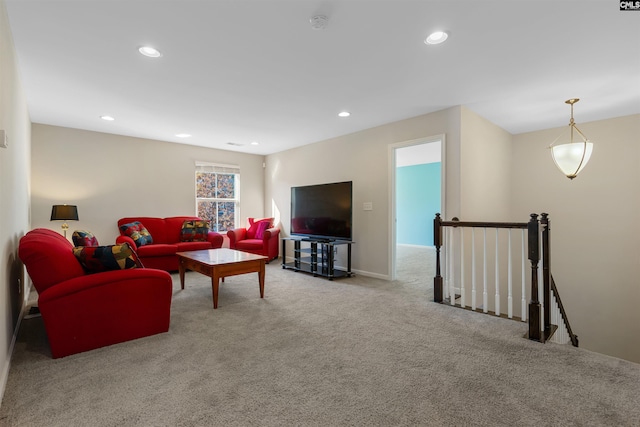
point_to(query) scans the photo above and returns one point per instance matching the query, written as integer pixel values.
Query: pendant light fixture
(572, 156)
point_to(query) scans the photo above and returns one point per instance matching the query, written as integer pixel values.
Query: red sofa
(83, 311)
(166, 236)
(250, 240)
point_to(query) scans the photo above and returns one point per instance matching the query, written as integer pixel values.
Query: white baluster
(509, 280)
(554, 321)
(452, 291)
(524, 284)
(462, 299)
(564, 334)
(485, 295)
(446, 264)
(497, 297)
(473, 269)
(561, 335)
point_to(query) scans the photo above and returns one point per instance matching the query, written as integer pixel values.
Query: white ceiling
(255, 70)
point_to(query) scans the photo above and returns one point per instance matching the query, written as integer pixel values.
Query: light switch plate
(4, 140)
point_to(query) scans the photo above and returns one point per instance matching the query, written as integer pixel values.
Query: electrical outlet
(367, 206)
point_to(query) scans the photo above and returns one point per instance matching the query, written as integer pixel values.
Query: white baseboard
(355, 272)
(7, 366)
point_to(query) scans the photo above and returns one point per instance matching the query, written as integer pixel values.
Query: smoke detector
(319, 22)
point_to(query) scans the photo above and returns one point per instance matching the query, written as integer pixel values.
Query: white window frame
(217, 168)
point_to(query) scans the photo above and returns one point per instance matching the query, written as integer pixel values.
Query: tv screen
(322, 211)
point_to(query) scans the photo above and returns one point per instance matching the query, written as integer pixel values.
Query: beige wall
(109, 177)
(14, 193)
(485, 170)
(363, 158)
(476, 164)
(595, 230)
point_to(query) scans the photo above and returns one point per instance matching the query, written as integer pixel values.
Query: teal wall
(417, 202)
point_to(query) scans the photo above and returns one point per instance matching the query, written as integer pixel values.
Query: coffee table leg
(181, 270)
(261, 278)
(215, 283)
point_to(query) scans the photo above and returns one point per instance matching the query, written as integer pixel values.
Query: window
(218, 195)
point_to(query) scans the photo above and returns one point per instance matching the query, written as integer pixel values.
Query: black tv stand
(311, 239)
(317, 258)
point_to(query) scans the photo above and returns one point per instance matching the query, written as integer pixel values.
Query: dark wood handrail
(477, 224)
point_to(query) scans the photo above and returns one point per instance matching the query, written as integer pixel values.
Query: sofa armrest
(236, 235)
(271, 243)
(271, 233)
(126, 239)
(108, 278)
(216, 239)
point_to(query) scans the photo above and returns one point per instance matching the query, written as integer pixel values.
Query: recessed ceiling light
(150, 52)
(107, 118)
(344, 114)
(183, 135)
(436, 37)
(255, 143)
(319, 22)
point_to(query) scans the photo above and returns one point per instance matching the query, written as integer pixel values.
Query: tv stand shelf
(316, 256)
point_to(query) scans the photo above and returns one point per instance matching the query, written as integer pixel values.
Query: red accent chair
(83, 311)
(261, 238)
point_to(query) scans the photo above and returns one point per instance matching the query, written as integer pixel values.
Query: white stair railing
(503, 267)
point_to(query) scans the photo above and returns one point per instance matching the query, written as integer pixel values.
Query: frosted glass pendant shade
(572, 158)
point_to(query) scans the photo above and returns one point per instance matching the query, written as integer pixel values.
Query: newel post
(535, 310)
(437, 242)
(546, 272)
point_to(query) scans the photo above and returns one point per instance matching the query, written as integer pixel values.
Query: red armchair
(83, 311)
(261, 238)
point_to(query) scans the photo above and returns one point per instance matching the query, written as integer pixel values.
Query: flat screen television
(322, 211)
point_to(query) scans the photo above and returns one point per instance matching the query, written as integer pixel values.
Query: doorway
(417, 194)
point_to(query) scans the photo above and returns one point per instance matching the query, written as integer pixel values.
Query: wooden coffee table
(220, 263)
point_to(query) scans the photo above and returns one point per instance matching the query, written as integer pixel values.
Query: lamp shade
(64, 213)
(572, 158)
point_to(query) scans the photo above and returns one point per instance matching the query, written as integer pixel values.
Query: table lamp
(64, 213)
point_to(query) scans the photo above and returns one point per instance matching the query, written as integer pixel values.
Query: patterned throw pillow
(96, 259)
(194, 231)
(137, 232)
(84, 238)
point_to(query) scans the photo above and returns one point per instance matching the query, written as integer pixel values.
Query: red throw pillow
(253, 227)
(262, 227)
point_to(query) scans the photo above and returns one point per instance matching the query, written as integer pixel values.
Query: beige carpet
(313, 352)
